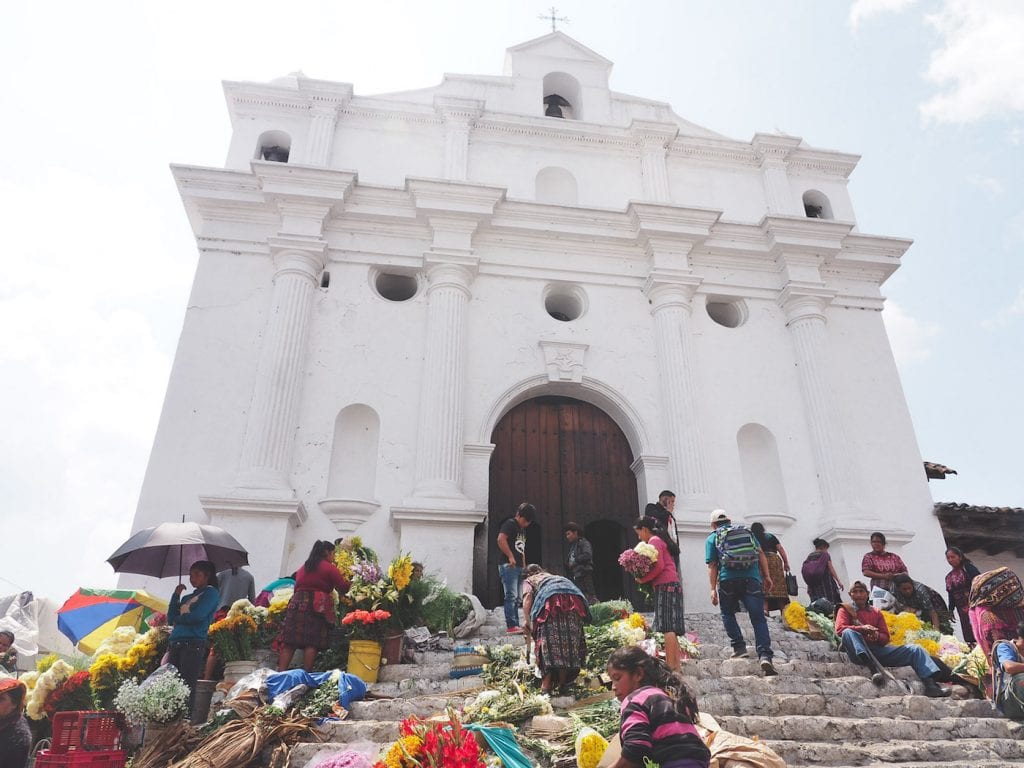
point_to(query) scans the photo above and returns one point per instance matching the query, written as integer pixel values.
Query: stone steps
(820, 710)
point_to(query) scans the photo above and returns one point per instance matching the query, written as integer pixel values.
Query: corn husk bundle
(174, 743)
(240, 742)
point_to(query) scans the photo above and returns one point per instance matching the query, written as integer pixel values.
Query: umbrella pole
(180, 572)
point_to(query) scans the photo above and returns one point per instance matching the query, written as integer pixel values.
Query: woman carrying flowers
(669, 617)
(191, 616)
(15, 736)
(555, 610)
(311, 611)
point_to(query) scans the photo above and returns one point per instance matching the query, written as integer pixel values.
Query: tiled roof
(937, 471)
(973, 527)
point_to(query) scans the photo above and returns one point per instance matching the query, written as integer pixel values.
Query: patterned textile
(778, 597)
(992, 624)
(304, 627)
(825, 586)
(958, 585)
(886, 562)
(558, 633)
(650, 727)
(1000, 588)
(669, 615)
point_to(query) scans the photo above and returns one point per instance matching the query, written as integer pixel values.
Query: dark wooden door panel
(571, 461)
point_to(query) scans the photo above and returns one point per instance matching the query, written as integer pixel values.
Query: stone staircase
(820, 709)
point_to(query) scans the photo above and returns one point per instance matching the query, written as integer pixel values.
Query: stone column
(267, 449)
(772, 150)
(439, 437)
(458, 116)
(671, 301)
(805, 318)
(654, 140)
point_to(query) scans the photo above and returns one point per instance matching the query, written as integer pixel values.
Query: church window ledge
(727, 312)
(564, 302)
(395, 286)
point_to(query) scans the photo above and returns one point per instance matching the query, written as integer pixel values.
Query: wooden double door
(572, 462)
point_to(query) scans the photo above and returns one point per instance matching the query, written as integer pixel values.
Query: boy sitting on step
(865, 639)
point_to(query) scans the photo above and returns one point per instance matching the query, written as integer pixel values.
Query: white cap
(719, 516)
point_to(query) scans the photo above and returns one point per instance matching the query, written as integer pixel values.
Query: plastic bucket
(392, 649)
(201, 702)
(364, 660)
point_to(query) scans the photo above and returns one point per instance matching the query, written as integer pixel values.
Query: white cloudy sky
(97, 261)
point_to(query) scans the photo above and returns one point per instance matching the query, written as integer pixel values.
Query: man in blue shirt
(732, 584)
(1008, 690)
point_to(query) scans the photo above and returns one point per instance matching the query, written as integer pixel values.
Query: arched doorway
(570, 460)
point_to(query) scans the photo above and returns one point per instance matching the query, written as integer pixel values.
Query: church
(413, 311)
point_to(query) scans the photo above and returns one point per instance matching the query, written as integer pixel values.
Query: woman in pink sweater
(668, 590)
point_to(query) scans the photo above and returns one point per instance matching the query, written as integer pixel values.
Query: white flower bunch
(647, 550)
(160, 699)
(118, 643)
(625, 633)
(244, 607)
(46, 684)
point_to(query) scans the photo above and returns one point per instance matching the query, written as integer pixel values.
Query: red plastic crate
(80, 758)
(90, 731)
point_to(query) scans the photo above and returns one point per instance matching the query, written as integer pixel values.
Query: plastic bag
(475, 620)
(590, 748)
(19, 615)
(255, 681)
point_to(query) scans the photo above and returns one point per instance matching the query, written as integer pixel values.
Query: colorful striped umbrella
(90, 616)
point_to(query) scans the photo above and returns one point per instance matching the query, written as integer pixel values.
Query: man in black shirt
(580, 561)
(512, 544)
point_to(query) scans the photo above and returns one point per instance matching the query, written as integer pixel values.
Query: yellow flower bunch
(929, 645)
(402, 753)
(103, 674)
(899, 624)
(590, 748)
(344, 559)
(400, 571)
(794, 616)
(636, 621)
(46, 662)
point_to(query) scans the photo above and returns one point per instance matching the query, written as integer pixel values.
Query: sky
(98, 256)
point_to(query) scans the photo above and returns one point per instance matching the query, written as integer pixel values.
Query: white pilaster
(773, 151)
(458, 115)
(653, 140)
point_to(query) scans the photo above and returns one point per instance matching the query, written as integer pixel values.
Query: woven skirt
(303, 626)
(668, 608)
(558, 633)
(778, 597)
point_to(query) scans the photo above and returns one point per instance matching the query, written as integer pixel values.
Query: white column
(805, 318)
(439, 437)
(671, 306)
(320, 138)
(458, 116)
(773, 151)
(267, 449)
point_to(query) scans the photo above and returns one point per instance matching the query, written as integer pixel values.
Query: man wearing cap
(732, 585)
(865, 640)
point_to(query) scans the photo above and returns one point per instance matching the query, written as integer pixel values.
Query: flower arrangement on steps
(364, 649)
(157, 702)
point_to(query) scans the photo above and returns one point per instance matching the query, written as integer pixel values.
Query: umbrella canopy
(90, 616)
(169, 549)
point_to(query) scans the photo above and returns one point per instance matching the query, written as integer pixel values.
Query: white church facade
(413, 311)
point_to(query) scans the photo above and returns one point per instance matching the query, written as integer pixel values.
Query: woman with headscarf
(820, 574)
(881, 566)
(997, 607)
(555, 610)
(958, 587)
(778, 567)
(15, 736)
(311, 611)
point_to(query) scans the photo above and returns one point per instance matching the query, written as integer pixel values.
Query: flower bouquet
(433, 742)
(160, 699)
(232, 637)
(368, 625)
(73, 695)
(52, 677)
(638, 562)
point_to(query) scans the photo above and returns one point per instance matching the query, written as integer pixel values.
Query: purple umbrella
(167, 549)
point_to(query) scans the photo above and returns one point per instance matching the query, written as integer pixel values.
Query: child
(657, 714)
(8, 653)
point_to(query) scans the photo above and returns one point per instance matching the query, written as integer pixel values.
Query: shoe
(934, 691)
(514, 631)
(739, 653)
(878, 679)
(768, 668)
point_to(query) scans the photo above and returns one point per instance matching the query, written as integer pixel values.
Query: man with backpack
(737, 567)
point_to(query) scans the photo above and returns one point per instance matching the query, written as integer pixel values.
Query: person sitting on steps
(865, 639)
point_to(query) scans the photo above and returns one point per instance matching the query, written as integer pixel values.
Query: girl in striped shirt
(657, 714)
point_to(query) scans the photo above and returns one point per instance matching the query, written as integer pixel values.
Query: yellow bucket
(364, 659)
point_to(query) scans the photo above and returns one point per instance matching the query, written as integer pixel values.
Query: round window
(728, 312)
(395, 286)
(565, 302)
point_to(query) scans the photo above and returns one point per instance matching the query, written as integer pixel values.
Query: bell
(553, 110)
(554, 104)
(275, 154)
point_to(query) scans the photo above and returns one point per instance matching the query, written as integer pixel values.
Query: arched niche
(762, 477)
(352, 477)
(557, 186)
(275, 146)
(817, 205)
(567, 88)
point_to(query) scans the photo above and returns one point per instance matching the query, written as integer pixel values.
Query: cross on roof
(552, 16)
